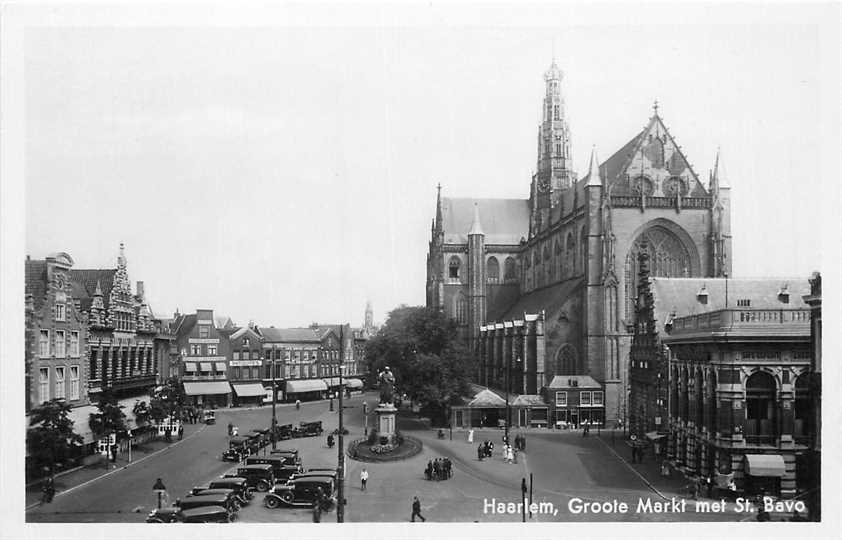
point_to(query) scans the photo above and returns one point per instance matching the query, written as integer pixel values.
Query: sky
(286, 173)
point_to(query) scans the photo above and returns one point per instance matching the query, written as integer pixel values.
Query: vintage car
(238, 448)
(302, 492)
(280, 465)
(308, 429)
(200, 514)
(283, 432)
(210, 417)
(316, 472)
(227, 501)
(234, 501)
(290, 457)
(260, 477)
(240, 485)
(258, 438)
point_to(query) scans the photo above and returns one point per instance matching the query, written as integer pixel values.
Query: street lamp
(508, 388)
(340, 507)
(160, 489)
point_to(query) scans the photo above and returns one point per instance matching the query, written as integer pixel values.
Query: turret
(720, 221)
(476, 276)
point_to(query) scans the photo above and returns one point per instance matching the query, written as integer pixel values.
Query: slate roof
(582, 381)
(184, 323)
(306, 335)
(549, 299)
(681, 295)
(84, 282)
(504, 221)
(35, 273)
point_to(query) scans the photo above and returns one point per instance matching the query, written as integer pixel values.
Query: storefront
(249, 394)
(305, 389)
(210, 394)
(354, 385)
(763, 473)
(575, 400)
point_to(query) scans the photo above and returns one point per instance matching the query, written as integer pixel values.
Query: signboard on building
(235, 363)
(204, 340)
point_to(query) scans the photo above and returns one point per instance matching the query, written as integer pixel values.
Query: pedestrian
(428, 472)
(523, 443)
(436, 469)
(298, 404)
(235, 431)
(363, 479)
(168, 434)
(471, 436)
(49, 490)
(480, 451)
(230, 429)
(416, 509)
(449, 468)
(180, 432)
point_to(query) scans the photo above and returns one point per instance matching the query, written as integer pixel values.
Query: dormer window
(744, 302)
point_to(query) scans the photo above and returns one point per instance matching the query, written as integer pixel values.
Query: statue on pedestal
(387, 386)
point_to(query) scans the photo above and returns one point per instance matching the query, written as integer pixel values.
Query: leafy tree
(141, 413)
(167, 400)
(110, 418)
(422, 348)
(50, 438)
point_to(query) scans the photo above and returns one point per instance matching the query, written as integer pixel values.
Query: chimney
(140, 290)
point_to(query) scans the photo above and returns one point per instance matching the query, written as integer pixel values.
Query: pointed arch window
(453, 268)
(460, 309)
(509, 269)
(570, 254)
(493, 270)
(566, 360)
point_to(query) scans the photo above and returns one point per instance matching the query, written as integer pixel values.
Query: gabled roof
(567, 382)
(681, 295)
(184, 324)
(84, 281)
(238, 332)
(35, 273)
(504, 221)
(487, 398)
(298, 335)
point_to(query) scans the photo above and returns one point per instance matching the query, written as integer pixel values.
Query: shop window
(561, 399)
(598, 398)
(760, 408)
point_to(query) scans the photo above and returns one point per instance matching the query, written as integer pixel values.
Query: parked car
(310, 473)
(227, 501)
(302, 492)
(201, 514)
(259, 477)
(281, 467)
(290, 457)
(238, 448)
(234, 502)
(210, 417)
(308, 429)
(240, 485)
(257, 438)
(283, 432)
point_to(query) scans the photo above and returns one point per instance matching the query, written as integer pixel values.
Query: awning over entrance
(353, 383)
(765, 465)
(220, 366)
(206, 388)
(206, 366)
(332, 381)
(190, 366)
(80, 417)
(307, 385)
(249, 390)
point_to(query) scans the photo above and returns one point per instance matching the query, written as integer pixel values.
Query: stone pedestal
(386, 426)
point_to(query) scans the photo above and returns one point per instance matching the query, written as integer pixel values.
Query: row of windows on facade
(60, 383)
(121, 364)
(762, 407)
(586, 399)
(293, 355)
(290, 372)
(66, 343)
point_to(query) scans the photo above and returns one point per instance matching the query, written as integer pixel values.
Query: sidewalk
(73, 478)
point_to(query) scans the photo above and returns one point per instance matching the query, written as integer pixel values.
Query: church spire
(554, 169)
(594, 178)
(718, 179)
(439, 224)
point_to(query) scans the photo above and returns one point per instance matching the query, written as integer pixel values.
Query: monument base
(386, 426)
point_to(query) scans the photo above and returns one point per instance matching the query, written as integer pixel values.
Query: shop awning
(654, 435)
(332, 381)
(205, 366)
(353, 383)
(765, 465)
(220, 366)
(206, 388)
(190, 366)
(250, 390)
(80, 417)
(306, 385)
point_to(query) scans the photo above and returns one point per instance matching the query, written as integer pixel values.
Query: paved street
(564, 466)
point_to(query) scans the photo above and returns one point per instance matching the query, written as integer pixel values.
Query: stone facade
(739, 388)
(56, 335)
(570, 250)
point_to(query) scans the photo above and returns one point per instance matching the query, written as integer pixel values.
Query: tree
(167, 400)
(110, 418)
(51, 439)
(141, 413)
(430, 363)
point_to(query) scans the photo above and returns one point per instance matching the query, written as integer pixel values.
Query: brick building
(246, 365)
(739, 380)
(570, 249)
(56, 334)
(203, 358)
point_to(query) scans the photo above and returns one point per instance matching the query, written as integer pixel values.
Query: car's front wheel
(272, 502)
(263, 485)
(286, 496)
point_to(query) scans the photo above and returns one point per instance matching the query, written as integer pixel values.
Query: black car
(308, 429)
(290, 457)
(244, 491)
(238, 448)
(200, 514)
(235, 501)
(227, 501)
(258, 438)
(260, 477)
(283, 432)
(304, 492)
(281, 465)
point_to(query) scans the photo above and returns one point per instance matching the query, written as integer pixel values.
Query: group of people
(485, 449)
(232, 430)
(168, 432)
(439, 469)
(192, 415)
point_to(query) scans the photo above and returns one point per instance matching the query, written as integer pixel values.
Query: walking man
(180, 431)
(416, 509)
(471, 436)
(363, 478)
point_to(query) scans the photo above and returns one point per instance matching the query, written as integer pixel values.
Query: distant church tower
(554, 171)
(368, 326)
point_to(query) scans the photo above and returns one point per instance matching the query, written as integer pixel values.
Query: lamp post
(274, 398)
(160, 489)
(340, 507)
(508, 388)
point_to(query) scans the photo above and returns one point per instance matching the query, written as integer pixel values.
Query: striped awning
(765, 465)
(353, 383)
(249, 390)
(205, 366)
(206, 388)
(306, 385)
(220, 366)
(190, 366)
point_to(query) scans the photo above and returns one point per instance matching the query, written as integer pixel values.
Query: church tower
(554, 170)
(720, 222)
(368, 326)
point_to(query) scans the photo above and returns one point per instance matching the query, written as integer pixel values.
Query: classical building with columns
(569, 251)
(739, 379)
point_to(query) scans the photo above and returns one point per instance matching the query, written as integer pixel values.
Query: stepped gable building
(204, 353)
(55, 335)
(121, 330)
(568, 252)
